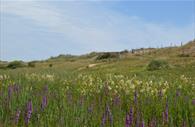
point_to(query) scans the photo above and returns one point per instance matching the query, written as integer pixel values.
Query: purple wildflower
(10, 91)
(44, 103)
(127, 121)
(193, 102)
(142, 123)
(167, 112)
(135, 97)
(129, 118)
(103, 119)
(17, 116)
(107, 115)
(28, 112)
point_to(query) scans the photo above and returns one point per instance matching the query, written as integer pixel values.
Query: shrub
(108, 55)
(157, 65)
(50, 65)
(184, 55)
(31, 64)
(15, 64)
(124, 51)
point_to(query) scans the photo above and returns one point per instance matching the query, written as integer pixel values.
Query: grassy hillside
(112, 89)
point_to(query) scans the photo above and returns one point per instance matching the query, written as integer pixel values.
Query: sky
(39, 29)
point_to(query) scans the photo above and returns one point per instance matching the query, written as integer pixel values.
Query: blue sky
(32, 30)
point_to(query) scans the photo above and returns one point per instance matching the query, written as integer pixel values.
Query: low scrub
(157, 65)
(16, 64)
(31, 64)
(50, 65)
(108, 55)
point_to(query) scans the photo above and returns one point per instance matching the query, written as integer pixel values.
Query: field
(83, 92)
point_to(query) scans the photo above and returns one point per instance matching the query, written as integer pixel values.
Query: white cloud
(97, 27)
(32, 10)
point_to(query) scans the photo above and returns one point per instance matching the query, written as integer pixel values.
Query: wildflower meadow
(91, 100)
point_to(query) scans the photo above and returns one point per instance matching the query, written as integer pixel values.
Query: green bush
(157, 65)
(31, 64)
(15, 64)
(108, 55)
(124, 51)
(50, 65)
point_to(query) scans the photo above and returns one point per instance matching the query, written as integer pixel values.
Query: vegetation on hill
(157, 65)
(108, 55)
(16, 64)
(187, 50)
(83, 91)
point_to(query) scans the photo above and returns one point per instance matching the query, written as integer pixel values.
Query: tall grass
(90, 100)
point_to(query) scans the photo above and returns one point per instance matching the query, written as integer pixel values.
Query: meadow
(113, 93)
